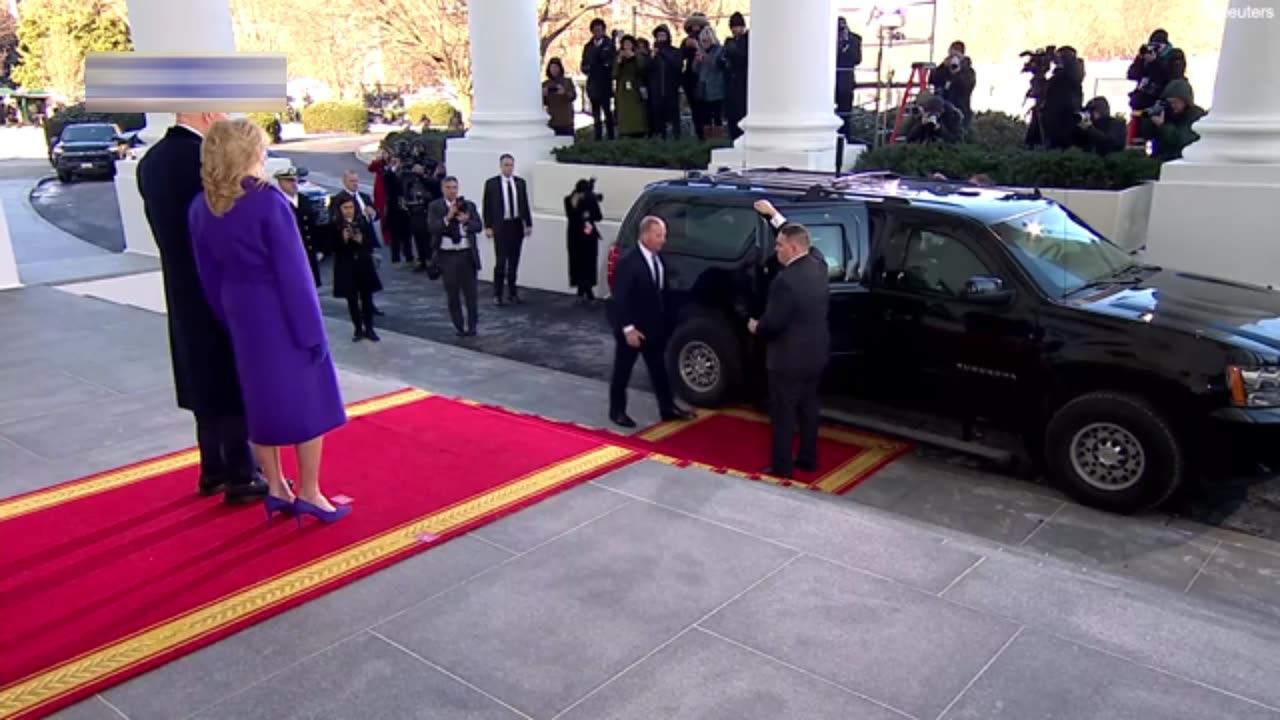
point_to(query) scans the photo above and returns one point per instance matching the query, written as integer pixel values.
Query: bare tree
(677, 11)
(555, 17)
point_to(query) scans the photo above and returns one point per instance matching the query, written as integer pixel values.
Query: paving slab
(550, 626)
(1241, 576)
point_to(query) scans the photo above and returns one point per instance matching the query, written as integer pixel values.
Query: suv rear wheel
(1114, 451)
(704, 361)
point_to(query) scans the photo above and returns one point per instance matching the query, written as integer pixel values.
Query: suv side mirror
(987, 290)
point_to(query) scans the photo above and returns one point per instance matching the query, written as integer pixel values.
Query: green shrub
(1015, 166)
(864, 125)
(993, 129)
(269, 122)
(683, 154)
(335, 116)
(72, 114)
(433, 142)
(437, 111)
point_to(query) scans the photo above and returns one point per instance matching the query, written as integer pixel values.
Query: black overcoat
(204, 369)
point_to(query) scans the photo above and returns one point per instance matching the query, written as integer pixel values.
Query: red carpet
(104, 578)
(736, 442)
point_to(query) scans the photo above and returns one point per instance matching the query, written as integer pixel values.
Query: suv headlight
(1254, 386)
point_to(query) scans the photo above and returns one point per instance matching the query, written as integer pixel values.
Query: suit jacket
(597, 65)
(304, 213)
(442, 232)
(204, 369)
(636, 299)
(794, 323)
(493, 202)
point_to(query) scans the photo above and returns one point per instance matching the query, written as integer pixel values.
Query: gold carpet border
(100, 664)
(111, 480)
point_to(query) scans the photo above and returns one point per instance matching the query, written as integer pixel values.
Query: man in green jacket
(1173, 120)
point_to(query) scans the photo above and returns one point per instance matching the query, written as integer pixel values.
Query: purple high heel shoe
(275, 505)
(302, 507)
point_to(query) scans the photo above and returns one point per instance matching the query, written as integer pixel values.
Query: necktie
(657, 272)
(509, 184)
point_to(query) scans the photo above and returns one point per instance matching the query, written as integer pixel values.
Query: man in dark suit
(287, 180)
(507, 221)
(454, 222)
(638, 313)
(794, 325)
(204, 369)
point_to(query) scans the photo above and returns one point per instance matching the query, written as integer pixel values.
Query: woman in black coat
(582, 209)
(355, 271)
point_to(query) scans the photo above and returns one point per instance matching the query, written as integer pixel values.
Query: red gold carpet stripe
(95, 484)
(29, 694)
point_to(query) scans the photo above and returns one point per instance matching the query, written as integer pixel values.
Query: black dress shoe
(378, 312)
(498, 301)
(245, 492)
(622, 420)
(471, 332)
(358, 336)
(460, 332)
(515, 299)
(373, 336)
(776, 473)
(807, 466)
(676, 413)
(211, 485)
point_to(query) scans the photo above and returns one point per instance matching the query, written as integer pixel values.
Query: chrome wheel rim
(699, 366)
(1108, 457)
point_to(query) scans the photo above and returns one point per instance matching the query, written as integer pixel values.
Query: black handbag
(433, 270)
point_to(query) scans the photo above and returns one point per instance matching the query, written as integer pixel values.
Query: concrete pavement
(661, 592)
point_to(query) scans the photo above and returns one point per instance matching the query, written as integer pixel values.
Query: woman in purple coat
(256, 277)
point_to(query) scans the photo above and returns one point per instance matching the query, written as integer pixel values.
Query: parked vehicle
(984, 303)
(88, 149)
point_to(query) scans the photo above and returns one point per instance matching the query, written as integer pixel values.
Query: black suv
(984, 303)
(88, 149)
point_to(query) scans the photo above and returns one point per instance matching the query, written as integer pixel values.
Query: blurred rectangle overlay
(185, 82)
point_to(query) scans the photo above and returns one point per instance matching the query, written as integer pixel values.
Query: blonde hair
(232, 150)
(708, 33)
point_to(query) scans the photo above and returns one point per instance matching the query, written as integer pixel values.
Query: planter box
(1119, 215)
(544, 261)
(552, 181)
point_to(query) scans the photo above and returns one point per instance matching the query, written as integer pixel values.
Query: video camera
(587, 186)
(1039, 61)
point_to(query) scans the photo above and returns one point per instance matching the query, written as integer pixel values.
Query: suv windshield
(1061, 254)
(89, 133)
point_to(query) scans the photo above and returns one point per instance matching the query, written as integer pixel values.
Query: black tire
(1149, 449)
(65, 177)
(708, 343)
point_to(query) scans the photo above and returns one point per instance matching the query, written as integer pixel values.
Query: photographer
(662, 78)
(848, 57)
(689, 51)
(1172, 118)
(1059, 108)
(419, 190)
(1098, 130)
(955, 79)
(940, 121)
(1157, 64)
(582, 211)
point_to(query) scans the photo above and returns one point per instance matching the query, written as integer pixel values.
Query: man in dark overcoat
(204, 369)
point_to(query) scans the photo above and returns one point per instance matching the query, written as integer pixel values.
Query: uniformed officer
(304, 212)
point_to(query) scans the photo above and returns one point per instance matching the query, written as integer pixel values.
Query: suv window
(938, 263)
(829, 240)
(708, 231)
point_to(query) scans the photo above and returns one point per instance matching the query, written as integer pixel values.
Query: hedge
(403, 142)
(335, 116)
(269, 122)
(72, 114)
(437, 111)
(1016, 166)
(683, 154)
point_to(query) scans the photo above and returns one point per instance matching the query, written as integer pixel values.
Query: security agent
(794, 326)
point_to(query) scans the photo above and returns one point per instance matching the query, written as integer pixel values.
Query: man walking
(204, 369)
(638, 313)
(507, 221)
(794, 326)
(454, 222)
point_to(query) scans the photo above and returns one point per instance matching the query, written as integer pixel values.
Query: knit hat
(1159, 36)
(736, 20)
(1179, 88)
(661, 29)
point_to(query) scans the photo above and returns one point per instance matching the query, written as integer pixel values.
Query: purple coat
(256, 277)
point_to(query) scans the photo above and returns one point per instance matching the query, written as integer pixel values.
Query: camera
(1038, 61)
(587, 186)
(1157, 108)
(954, 63)
(931, 119)
(1085, 117)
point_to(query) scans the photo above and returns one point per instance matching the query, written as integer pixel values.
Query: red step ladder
(916, 84)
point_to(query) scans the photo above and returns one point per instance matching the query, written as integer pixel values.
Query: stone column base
(8, 264)
(739, 157)
(1217, 220)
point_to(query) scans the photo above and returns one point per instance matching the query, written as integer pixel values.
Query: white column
(166, 26)
(508, 117)
(8, 265)
(791, 119)
(1214, 212)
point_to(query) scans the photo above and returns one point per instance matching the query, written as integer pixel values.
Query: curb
(366, 153)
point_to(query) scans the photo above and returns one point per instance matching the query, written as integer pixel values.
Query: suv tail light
(614, 252)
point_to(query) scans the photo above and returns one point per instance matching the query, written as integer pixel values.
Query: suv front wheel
(704, 362)
(1114, 451)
